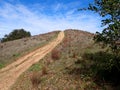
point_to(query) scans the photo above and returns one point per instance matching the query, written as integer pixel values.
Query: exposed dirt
(9, 74)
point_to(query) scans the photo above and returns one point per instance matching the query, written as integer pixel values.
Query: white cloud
(57, 7)
(20, 16)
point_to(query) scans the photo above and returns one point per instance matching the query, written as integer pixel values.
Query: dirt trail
(9, 74)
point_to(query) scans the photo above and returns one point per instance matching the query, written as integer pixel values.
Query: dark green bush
(105, 66)
(16, 34)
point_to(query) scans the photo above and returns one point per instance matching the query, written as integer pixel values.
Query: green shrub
(36, 67)
(16, 34)
(104, 66)
(1, 65)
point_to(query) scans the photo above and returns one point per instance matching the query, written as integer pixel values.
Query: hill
(67, 67)
(11, 50)
(58, 70)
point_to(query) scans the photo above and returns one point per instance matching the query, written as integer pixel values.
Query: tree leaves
(16, 34)
(110, 10)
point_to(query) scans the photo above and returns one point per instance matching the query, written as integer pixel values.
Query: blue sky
(41, 16)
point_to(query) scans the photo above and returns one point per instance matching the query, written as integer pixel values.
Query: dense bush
(16, 34)
(107, 65)
(104, 66)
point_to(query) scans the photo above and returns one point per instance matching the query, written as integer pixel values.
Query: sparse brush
(44, 70)
(55, 54)
(1, 46)
(74, 55)
(48, 62)
(35, 79)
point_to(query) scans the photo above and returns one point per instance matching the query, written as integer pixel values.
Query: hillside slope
(57, 71)
(10, 51)
(10, 73)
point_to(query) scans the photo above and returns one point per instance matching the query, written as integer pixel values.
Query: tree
(110, 11)
(16, 34)
(110, 35)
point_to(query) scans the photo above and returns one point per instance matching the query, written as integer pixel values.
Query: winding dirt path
(10, 73)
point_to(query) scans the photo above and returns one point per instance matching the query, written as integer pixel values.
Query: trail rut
(10, 73)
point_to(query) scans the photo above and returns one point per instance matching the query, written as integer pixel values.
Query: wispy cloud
(20, 16)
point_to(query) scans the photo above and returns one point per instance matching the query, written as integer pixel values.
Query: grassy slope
(62, 74)
(10, 51)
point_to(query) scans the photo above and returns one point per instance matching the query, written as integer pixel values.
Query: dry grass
(35, 79)
(44, 70)
(55, 54)
(10, 51)
(58, 75)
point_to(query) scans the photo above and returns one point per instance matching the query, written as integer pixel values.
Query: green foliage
(102, 60)
(16, 34)
(16, 54)
(104, 66)
(35, 67)
(110, 11)
(1, 65)
(110, 36)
